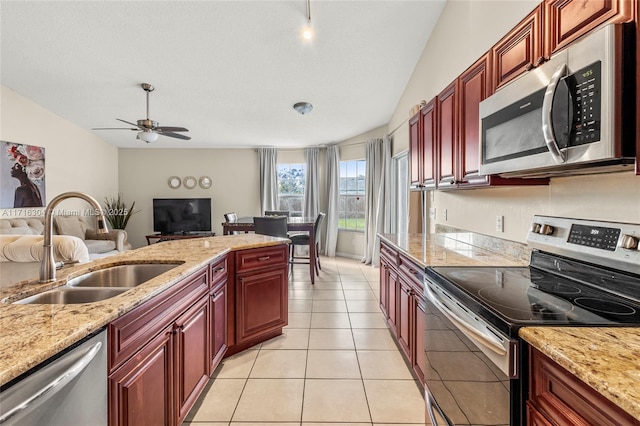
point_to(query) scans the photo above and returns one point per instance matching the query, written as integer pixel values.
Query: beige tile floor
(334, 364)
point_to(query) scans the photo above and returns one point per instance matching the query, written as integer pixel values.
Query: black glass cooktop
(531, 295)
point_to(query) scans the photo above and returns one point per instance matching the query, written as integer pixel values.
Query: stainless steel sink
(122, 276)
(68, 295)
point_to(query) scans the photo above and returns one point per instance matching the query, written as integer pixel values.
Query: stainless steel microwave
(575, 114)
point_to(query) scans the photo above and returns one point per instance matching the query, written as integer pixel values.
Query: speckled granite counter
(607, 359)
(30, 334)
(456, 249)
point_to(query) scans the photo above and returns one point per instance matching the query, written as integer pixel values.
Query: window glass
(352, 195)
(291, 182)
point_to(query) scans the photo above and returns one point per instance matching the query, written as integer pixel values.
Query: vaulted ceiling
(229, 71)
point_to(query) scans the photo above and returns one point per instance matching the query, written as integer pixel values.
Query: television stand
(181, 236)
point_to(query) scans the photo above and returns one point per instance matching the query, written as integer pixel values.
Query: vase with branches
(117, 212)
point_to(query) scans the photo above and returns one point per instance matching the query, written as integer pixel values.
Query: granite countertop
(457, 249)
(607, 359)
(30, 334)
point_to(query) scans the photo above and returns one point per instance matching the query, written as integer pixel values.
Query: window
(291, 181)
(352, 200)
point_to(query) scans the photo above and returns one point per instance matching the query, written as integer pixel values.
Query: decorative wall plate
(205, 182)
(174, 182)
(189, 182)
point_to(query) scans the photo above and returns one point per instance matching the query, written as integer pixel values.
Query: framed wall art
(22, 168)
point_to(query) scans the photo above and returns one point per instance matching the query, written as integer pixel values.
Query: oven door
(470, 367)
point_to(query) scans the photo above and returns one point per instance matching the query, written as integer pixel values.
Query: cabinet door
(393, 299)
(415, 151)
(474, 85)
(429, 144)
(141, 390)
(261, 303)
(446, 136)
(518, 51)
(567, 20)
(404, 318)
(384, 287)
(419, 358)
(192, 350)
(218, 327)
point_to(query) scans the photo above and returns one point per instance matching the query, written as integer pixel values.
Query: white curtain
(268, 159)
(333, 186)
(372, 191)
(383, 210)
(311, 186)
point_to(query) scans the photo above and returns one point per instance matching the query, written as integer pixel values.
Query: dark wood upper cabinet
(567, 20)
(428, 116)
(474, 85)
(446, 136)
(415, 150)
(520, 50)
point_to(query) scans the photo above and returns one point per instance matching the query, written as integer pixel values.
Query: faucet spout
(47, 265)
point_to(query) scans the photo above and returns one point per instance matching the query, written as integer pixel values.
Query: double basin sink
(100, 284)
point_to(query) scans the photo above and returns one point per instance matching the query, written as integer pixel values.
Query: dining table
(294, 224)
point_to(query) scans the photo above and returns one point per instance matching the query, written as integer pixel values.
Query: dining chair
(275, 226)
(304, 240)
(231, 217)
(276, 213)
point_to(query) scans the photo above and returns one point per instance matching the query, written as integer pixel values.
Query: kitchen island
(32, 333)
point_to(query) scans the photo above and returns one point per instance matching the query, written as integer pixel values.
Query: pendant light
(307, 32)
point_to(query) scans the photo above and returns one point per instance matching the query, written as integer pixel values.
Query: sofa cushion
(70, 225)
(28, 248)
(100, 246)
(21, 226)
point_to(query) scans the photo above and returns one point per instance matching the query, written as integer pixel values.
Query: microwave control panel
(585, 87)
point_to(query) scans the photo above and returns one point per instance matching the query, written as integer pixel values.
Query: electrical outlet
(444, 214)
(432, 213)
(500, 223)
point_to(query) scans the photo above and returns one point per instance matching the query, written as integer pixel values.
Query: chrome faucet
(47, 265)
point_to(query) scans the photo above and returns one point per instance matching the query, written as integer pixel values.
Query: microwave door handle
(547, 122)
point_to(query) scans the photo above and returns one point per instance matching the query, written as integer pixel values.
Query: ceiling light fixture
(307, 32)
(303, 107)
(148, 136)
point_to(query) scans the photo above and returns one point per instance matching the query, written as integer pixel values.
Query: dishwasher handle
(55, 385)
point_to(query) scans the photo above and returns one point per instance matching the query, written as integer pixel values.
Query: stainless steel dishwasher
(71, 389)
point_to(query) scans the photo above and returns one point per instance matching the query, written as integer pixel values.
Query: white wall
(144, 174)
(465, 31)
(76, 160)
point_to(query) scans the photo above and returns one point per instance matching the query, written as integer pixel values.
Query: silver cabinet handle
(54, 386)
(471, 332)
(547, 122)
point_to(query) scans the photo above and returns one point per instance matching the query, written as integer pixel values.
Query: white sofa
(97, 245)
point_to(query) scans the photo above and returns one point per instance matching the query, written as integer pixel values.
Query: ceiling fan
(147, 128)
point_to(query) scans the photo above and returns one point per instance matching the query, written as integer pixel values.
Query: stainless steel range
(581, 273)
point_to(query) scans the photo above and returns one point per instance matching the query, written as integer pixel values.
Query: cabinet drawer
(218, 271)
(413, 273)
(133, 330)
(389, 254)
(248, 260)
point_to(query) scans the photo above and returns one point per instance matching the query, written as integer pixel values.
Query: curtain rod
(292, 149)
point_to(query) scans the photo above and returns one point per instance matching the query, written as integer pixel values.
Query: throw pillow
(70, 225)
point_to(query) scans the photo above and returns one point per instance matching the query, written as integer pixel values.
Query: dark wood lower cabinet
(557, 397)
(218, 316)
(192, 355)
(141, 390)
(404, 319)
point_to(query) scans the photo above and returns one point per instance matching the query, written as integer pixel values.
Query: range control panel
(616, 245)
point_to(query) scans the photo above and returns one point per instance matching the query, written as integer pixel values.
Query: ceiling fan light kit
(148, 130)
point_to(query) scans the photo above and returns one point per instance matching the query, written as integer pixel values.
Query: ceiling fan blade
(128, 122)
(114, 128)
(175, 135)
(170, 129)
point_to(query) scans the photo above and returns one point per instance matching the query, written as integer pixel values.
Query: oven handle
(432, 407)
(486, 340)
(547, 121)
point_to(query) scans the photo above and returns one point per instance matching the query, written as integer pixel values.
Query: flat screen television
(181, 215)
